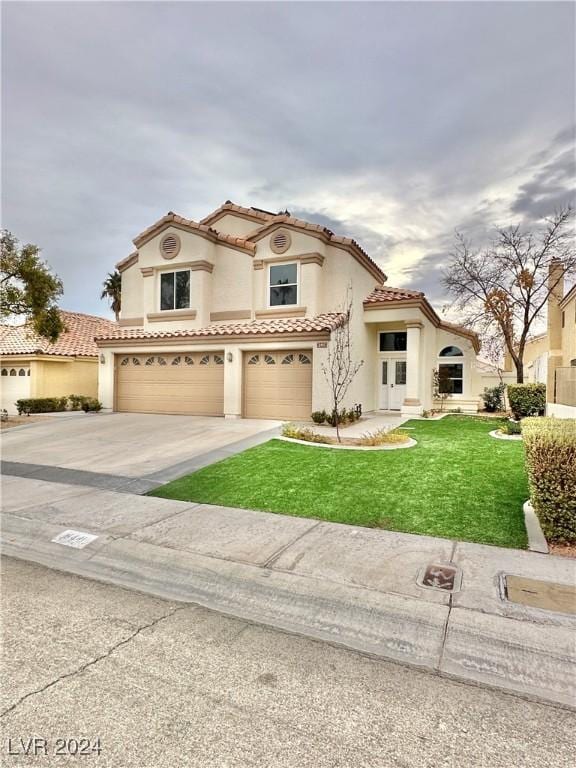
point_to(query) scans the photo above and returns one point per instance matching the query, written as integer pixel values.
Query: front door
(392, 384)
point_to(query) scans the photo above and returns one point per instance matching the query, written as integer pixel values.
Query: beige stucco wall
(67, 376)
(236, 225)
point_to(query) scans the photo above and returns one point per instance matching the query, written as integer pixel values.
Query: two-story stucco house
(233, 316)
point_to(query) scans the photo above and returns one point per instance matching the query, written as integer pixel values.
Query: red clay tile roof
(258, 214)
(326, 234)
(387, 293)
(326, 322)
(204, 229)
(384, 294)
(78, 339)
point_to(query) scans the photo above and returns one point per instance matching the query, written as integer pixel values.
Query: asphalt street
(163, 684)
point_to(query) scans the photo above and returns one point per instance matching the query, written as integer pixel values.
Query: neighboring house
(551, 357)
(233, 316)
(34, 367)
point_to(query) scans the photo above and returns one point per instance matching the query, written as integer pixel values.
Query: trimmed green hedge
(41, 404)
(527, 399)
(550, 446)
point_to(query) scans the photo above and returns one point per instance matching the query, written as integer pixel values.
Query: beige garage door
(188, 382)
(278, 385)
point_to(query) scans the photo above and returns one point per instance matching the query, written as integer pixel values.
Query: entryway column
(412, 404)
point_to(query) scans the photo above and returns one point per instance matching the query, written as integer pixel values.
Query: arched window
(451, 352)
(4, 371)
(21, 372)
(12, 371)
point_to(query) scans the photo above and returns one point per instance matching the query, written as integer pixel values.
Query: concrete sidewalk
(351, 586)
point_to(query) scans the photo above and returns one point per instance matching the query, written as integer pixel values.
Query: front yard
(458, 482)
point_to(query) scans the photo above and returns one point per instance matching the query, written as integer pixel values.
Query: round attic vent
(169, 246)
(280, 241)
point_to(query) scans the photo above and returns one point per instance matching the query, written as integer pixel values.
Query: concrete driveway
(128, 444)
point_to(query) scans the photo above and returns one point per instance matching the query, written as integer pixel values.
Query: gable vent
(169, 246)
(280, 241)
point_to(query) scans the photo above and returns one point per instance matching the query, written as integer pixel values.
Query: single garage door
(278, 385)
(187, 382)
(14, 385)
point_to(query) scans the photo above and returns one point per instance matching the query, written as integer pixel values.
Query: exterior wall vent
(280, 241)
(170, 246)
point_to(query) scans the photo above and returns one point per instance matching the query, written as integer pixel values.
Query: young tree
(340, 368)
(28, 287)
(112, 290)
(502, 289)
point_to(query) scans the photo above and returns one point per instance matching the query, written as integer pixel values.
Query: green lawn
(458, 482)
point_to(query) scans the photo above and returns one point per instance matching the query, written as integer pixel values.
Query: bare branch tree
(340, 367)
(502, 289)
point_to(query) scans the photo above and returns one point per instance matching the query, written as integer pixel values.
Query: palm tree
(113, 291)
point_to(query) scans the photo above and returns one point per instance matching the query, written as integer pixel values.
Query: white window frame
(454, 360)
(173, 271)
(268, 286)
(391, 351)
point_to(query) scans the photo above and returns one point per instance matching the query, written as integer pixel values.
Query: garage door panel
(188, 383)
(275, 389)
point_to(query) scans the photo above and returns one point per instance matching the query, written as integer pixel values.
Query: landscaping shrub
(319, 417)
(345, 416)
(304, 433)
(76, 401)
(382, 437)
(527, 399)
(41, 404)
(511, 428)
(493, 398)
(550, 446)
(91, 404)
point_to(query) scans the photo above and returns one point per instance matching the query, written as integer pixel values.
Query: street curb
(520, 657)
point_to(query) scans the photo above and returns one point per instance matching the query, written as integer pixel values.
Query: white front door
(392, 383)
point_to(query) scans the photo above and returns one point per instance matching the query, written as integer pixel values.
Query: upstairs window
(393, 342)
(283, 287)
(175, 290)
(451, 352)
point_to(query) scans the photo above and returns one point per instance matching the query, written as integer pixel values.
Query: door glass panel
(384, 372)
(400, 372)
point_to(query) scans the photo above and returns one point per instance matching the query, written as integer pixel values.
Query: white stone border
(499, 436)
(393, 447)
(536, 539)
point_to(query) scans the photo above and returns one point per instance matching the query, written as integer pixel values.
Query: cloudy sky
(395, 123)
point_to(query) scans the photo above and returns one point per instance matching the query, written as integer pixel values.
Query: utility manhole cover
(541, 594)
(444, 577)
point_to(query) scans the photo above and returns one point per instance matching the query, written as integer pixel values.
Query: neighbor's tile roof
(77, 339)
(173, 218)
(387, 293)
(326, 322)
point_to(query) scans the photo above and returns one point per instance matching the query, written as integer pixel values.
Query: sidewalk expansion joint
(276, 555)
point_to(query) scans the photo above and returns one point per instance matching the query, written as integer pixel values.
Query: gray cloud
(394, 123)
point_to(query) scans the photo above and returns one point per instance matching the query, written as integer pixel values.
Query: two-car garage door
(190, 382)
(276, 384)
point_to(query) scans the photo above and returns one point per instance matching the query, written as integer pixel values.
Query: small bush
(493, 398)
(91, 404)
(319, 417)
(345, 416)
(41, 404)
(303, 433)
(511, 428)
(527, 400)
(76, 401)
(382, 437)
(550, 446)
